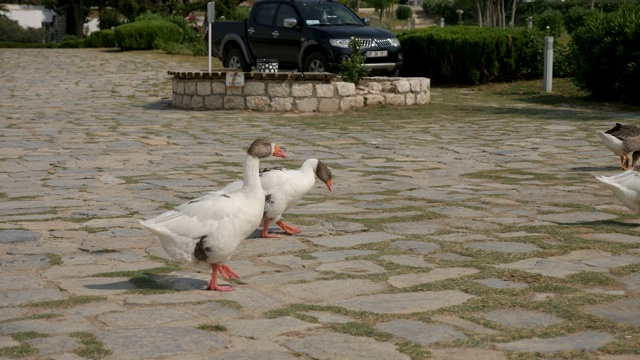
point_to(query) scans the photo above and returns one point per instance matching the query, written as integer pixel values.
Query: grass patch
(54, 259)
(212, 327)
(230, 304)
(361, 329)
(413, 350)
(65, 303)
(24, 349)
(33, 317)
(590, 278)
(91, 348)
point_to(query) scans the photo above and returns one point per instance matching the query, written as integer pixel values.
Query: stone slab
(524, 319)
(351, 240)
(412, 279)
(268, 328)
(343, 346)
(352, 267)
(626, 311)
(419, 332)
(584, 341)
(406, 303)
(168, 342)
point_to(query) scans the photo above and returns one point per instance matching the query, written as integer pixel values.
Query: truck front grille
(367, 43)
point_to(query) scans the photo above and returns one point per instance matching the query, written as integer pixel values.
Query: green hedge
(101, 39)
(145, 35)
(465, 55)
(606, 54)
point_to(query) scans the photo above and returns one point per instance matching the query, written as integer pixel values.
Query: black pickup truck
(303, 35)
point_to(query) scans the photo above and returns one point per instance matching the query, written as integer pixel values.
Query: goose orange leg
(213, 284)
(265, 230)
(291, 230)
(625, 165)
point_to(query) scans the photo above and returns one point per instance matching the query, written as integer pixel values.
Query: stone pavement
(445, 237)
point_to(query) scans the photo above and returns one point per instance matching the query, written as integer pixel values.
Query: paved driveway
(451, 237)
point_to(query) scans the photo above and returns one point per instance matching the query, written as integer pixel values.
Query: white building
(30, 16)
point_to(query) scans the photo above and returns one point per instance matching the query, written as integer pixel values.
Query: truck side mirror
(367, 21)
(290, 22)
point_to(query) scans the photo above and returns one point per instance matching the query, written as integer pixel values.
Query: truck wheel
(235, 60)
(316, 62)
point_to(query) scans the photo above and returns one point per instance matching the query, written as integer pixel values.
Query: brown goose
(613, 139)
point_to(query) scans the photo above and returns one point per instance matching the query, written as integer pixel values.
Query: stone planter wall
(294, 92)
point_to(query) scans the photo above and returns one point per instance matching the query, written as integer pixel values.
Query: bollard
(548, 63)
(409, 24)
(441, 22)
(529, 22)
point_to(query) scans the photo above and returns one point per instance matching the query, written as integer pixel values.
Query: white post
(211, 15)
(441, 22)
(548, 63)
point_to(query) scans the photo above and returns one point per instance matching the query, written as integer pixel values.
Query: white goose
(626, 187)
(284, 188)
(206, 230)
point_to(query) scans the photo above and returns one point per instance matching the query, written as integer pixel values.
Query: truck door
(286, 40)
(259, 30)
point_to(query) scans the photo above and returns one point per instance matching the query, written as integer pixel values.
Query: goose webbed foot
(291, 230)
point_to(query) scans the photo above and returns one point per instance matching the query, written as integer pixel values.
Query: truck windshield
(329, 14)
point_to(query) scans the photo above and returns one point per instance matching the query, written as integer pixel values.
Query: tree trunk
(480, 15)
(78, 15)
(512, 23)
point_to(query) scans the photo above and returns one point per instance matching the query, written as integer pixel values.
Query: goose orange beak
(329, 184)
(277, 152)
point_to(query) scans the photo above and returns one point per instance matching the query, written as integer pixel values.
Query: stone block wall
(298, 95)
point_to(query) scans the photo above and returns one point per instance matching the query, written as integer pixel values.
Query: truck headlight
(341, 43)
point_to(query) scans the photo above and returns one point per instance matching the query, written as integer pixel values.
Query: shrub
(403, 12)
(100, 39)
(575, 17)
(109, 18)
(144, 35)
(70, 41)
(352, 68)
(550, 22)
(11, 31)
(443, 8)
(606, 55)
(242, 13)
(473, 55)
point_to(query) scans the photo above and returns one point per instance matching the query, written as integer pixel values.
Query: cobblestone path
(445, 237)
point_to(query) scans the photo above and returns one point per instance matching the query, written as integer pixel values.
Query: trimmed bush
(462, 55)
(403, 12)
(70, 41)
(145, 35)
(100, 39)
(606, 54)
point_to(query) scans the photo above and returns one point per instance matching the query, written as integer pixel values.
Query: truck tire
(235, 60)
(316, 62)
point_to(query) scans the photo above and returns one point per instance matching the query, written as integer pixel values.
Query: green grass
(91, 348)
(23, 350)
(212, 327)
(65, 303)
